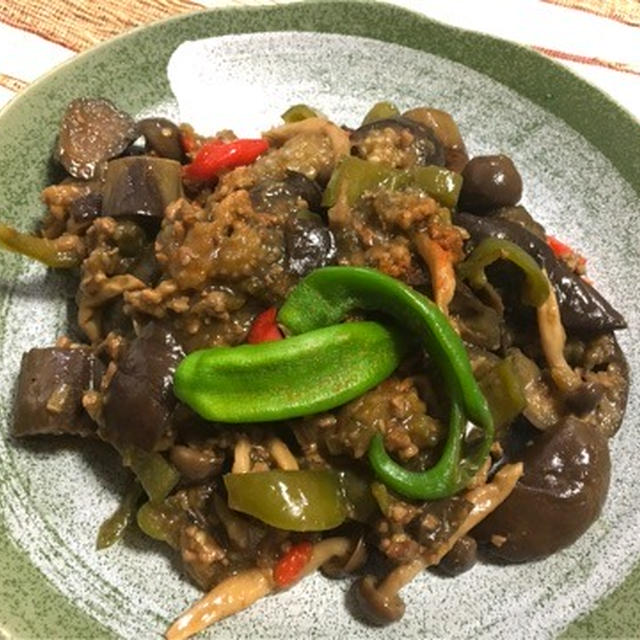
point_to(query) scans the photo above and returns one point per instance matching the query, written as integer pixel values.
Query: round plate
(578, 153)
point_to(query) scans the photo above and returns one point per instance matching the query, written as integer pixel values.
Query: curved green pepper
(381, 111)
(289, 378)
(291, 500)
(536, 289)
(298, 112)
(113, 528)
(327, 295)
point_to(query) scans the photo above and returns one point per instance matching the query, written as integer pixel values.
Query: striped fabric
(627, 11)
(598, 39)
(80, 24)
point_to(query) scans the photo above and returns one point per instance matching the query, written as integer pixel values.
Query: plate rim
(626, 132)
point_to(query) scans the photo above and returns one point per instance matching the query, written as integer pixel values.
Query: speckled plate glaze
(578, 153)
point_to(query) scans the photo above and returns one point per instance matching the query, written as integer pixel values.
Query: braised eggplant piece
(489, 182)
(419, 141)
(50, 388)
(607, 386)
(582, 308)
(87, 208)
(141, 186)
(93, 130)
(521, 216)
(565, 483)
(273, 196)
(309, 243)
(139, 400)
(162, 137)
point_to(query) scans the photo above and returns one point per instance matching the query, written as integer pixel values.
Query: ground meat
(228, 242)
(379, 231)
(409, 531)
(58, 198)
(204, 559)
(391, 146)
(394, 409)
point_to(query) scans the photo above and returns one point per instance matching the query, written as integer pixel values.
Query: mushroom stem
(401, 576)
(225, 599)
(484, 499)
(325, 550)
(439, 261)
(242, 456)
(552, 339)
(339, 138)
(282, 455)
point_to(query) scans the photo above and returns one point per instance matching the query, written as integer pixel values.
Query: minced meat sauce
(162, 277)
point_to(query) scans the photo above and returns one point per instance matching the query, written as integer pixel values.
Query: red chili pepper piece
(565, 252)
(264, 328)
(560, 249)
(213, 156)
(290, 566)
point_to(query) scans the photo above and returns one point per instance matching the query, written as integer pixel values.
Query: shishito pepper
(353, 176)
(536, 288)
(288, 378)
(327, 295)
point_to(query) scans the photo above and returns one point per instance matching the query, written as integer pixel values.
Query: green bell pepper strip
(381, 111)
(536, 288)
(298, 112)
(327, 295)
(353, 176)
(44, 250)
(310, 500)
(503, 390)
(113, 528)
(156, 475)
(289, 378)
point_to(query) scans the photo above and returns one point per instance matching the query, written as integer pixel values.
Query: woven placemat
(627, 11)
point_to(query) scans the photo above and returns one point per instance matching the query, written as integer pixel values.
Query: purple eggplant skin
(51, 384)
(92, 131)
(139, 399)
(582, 308)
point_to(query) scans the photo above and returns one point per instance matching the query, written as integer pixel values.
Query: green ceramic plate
(578, 153)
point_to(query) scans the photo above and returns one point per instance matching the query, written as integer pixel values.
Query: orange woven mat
(78, 24)
(627, 11)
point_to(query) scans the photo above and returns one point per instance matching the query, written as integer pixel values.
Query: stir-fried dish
(327, 348)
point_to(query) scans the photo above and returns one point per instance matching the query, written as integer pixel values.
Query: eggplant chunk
(384, 140)
(309, 242)
(139, 400)
(93, 130)
(162, 137)
(50, 388)
(141, 186)
(562, 491)
(582, 308)
(282, 196)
